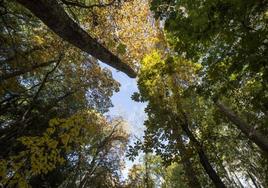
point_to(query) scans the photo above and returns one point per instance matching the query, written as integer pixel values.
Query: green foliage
(170, 86)
(174, 177)
(216, 50)
(153, 173)
(121, 49)
(229, 39)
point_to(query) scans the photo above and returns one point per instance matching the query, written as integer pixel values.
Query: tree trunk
(253, 135)
(256, 184)
(55, 17)
(238, 180)
(223, 168)
(193, 182)
(202, 156)
(192, 179)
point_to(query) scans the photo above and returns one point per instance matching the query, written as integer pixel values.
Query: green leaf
(121, 49)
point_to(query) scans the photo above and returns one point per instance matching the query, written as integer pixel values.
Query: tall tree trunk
(193, 182)
(146, 178)
(255, 136)
(192, 179)
(256, 184)
(238, 180)
(202, 155)
(55, 17)
(224, 169)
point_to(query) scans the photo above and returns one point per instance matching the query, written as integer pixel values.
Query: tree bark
(253, 180)
(55, 17)
(238, 180)
(202, 155)
(255, 136)
(193, 182)
(192, 179)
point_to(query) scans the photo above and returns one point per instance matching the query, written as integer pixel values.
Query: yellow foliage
(38, 40)
(128, 30)
(44, 152)
(164, 78)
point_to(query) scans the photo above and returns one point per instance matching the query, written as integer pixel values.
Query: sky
(132, 112)
(124, 106)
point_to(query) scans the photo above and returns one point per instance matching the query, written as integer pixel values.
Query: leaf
(121, 49)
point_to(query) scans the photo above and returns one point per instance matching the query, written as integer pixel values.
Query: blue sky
(124, 106)
(131, 111)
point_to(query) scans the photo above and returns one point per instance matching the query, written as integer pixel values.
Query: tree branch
(55, 17)
(81, 5)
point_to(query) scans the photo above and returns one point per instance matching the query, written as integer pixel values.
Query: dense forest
(201, 68)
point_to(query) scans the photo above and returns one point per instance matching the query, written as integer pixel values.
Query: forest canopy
(201, 68)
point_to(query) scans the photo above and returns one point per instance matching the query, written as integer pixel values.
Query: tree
(159, 175)
(86, 144)
(44, 78)
(229, 39)
(203, 76)
(148, 174)
(55, 17)
(172, 178)
(161, 82)
(176, 110)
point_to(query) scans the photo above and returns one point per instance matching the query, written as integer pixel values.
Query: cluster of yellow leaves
(128, 30)
(159, 73)
(43, 153)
